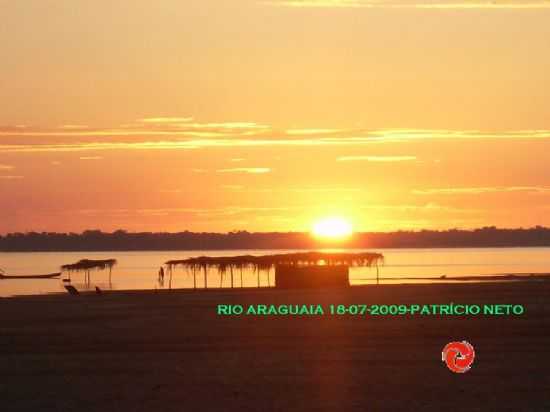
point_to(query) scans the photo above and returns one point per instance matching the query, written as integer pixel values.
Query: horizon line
(237, 231)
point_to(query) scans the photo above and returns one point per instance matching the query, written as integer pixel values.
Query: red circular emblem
(458, 356)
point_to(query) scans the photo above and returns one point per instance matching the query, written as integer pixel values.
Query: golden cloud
(252, 170)
(481, 190)
(383, 159)
(234, 134)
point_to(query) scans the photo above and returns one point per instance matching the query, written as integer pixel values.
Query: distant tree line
(96, 240)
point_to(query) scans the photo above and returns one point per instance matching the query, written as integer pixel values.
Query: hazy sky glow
(422, 4)
(215, 115)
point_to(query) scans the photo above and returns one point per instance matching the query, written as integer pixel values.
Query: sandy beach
(170, 351)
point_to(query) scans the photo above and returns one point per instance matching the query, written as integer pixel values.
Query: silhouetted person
(72, 290)
(161, 277)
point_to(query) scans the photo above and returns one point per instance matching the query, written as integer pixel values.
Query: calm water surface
(138, 270)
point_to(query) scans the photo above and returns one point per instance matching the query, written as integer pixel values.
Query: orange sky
(268, 115)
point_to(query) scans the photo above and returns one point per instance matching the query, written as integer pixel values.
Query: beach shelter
(87, 265)
(303, 269)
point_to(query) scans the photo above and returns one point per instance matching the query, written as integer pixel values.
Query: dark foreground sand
(145, 351)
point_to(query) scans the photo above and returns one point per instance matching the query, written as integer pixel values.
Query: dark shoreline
(121, 240)
(273, 248)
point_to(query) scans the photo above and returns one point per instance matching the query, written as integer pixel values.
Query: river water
(138, 270)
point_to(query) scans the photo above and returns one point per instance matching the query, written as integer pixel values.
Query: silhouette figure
(161, 276)
(72, 290)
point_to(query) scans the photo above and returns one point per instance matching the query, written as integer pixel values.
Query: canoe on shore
(48, 276)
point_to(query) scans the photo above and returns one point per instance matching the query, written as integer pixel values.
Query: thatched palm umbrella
(170, 268)
(267, 262)
(87, 265)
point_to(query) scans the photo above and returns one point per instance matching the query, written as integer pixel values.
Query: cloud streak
(157, 126)
(380, 159)
(232, 134)
(427, 208)
(481, 190)
(73, 127)
(249, 170)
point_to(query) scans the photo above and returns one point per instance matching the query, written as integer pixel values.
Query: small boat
(48, 276)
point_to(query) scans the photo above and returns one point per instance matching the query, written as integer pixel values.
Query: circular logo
(458, 356)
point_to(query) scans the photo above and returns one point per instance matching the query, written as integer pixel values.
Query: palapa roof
(89, 264)
(266, 262)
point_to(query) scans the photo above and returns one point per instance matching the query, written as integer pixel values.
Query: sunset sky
(218, 115)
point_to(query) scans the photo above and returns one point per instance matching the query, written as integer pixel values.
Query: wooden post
(241, 277)
(110, 282)
(258, 277)
(170, 280)
(205, 278)
(377, 275)
(194, 279)
(231, 277)
(268, 278)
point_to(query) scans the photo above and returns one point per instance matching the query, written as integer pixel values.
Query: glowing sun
(332, 228)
